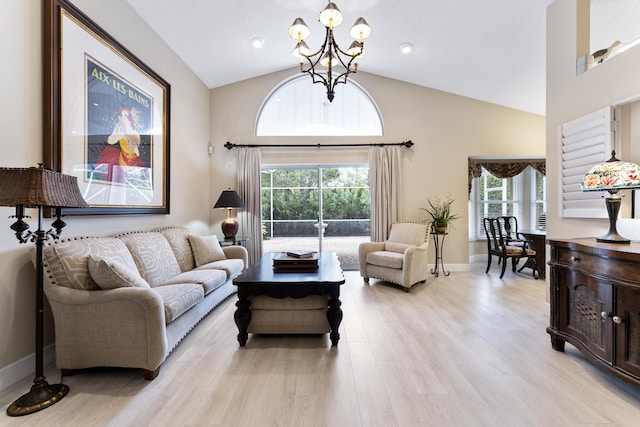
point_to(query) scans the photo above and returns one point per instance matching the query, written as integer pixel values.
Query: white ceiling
(491, 50)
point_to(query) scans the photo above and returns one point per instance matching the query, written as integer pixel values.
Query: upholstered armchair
(401, 259)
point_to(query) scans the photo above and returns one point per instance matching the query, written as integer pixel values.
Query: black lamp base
(613, 238)
(613, 207)
(41, 396)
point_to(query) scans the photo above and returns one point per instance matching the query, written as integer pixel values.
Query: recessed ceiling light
(406, 48)
(257, 42)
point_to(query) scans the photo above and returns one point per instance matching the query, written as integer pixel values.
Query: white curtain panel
(249, 191)
(384, 189)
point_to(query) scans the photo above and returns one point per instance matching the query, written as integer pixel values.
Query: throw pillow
(152, 255)
(206, 249)
(111, 274)
(74, 253)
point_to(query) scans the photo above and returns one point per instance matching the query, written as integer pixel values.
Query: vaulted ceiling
(492, 50)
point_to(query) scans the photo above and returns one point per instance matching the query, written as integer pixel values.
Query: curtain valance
(503, 168)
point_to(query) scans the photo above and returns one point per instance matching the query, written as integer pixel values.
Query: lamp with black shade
(229, 200)
(612, 176)
(38, 188)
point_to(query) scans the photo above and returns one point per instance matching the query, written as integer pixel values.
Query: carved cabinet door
(627, 324)
(585, 310)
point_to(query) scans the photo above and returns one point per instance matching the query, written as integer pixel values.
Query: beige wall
(21, 146)
(570, 96)
(445, 128)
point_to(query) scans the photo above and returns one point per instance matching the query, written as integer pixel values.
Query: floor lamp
(38, 188)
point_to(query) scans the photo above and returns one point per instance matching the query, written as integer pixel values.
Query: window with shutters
(586, 141)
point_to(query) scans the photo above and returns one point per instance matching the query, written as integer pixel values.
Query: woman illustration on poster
(119, 119)
(122, 145)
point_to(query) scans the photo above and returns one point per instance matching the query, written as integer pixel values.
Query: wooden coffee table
(260, 279)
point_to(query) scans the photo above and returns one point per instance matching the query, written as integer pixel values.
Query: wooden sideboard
(595, 303)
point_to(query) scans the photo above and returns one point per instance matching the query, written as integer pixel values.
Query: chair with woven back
(504, 245)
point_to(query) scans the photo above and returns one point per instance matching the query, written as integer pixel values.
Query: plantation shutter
(586, 141)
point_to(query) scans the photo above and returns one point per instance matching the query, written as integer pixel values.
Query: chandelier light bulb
(360, 30)
(356, 49)
(301, 50)
(331, 16)
(328, 60)
(299, 30)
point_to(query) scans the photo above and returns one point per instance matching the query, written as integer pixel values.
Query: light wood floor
(464, 350)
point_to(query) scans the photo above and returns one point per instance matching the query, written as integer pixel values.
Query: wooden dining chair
(502, 247)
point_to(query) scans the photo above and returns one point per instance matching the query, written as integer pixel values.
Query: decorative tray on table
(295, 261)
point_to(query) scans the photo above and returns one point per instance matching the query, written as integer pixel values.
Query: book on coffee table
(300, 254)
(285, 262)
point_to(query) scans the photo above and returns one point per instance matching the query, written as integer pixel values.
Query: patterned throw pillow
(206, 249)
(179, 241)
(112, 274)
(73, 255)
(152, 255)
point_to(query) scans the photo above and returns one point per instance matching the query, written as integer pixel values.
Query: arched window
(297, 107)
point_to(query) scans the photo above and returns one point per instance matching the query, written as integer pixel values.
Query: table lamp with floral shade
(612, 176)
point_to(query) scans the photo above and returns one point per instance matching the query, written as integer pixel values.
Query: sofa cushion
(177, 299)
(208, 279)
(385, 259)
(153, 256)
(73, 255)
(232, 267)
(179, 242)
(206, 249)
(112, 274)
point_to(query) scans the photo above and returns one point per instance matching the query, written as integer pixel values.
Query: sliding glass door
(319, 208)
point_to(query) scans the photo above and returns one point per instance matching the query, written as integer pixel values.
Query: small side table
(240, 241)
(537, 238)
(438, 241)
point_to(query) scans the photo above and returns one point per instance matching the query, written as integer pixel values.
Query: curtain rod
(229, 145)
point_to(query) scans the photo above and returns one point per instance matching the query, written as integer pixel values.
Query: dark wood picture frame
(106, 117)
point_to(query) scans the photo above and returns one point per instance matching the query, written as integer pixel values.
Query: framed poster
(106, 117)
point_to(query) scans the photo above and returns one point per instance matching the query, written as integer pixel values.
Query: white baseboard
(478, 258)
(452, 267)
(25, 367)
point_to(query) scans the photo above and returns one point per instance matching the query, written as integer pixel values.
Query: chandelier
(330, 55)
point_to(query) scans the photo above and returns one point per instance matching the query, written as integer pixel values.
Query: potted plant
(440, 215)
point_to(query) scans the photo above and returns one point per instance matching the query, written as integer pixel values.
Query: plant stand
(438, 241)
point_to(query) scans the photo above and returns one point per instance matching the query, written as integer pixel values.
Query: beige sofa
(128, 300)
